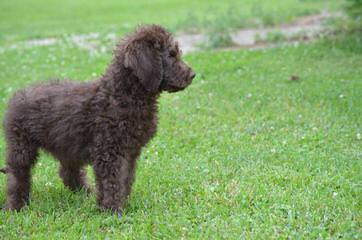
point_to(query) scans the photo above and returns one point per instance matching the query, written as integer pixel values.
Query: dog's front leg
(111, 183)
(113, 169)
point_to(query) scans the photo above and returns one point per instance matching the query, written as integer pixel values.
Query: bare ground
(302, 30)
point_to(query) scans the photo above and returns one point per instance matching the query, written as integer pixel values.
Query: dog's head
(155, 58)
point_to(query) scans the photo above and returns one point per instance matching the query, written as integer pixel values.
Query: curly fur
(104, 123)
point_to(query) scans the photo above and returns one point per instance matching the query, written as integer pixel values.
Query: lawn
(244, 152)
(21, 19)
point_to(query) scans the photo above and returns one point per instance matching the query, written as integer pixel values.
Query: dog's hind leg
(21, 156)
(74, 178)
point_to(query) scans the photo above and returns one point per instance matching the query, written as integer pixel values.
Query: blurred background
(39, 19)
(198, 24)
(36, 18)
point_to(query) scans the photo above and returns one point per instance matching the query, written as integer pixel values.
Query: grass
(242, 153)
(42, 18)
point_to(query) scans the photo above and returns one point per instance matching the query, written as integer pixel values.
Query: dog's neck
(120, 81)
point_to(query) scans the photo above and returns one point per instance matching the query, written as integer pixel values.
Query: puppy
(104, 123)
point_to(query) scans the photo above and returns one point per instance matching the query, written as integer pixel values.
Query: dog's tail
(3, 170)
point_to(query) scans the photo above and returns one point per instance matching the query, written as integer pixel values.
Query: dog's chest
(142, 126)
(135, 124)
(145, 130)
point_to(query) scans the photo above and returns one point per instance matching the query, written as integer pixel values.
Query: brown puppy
(104, 123)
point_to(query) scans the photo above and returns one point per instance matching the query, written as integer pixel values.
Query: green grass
(43, 18)
(243, 152)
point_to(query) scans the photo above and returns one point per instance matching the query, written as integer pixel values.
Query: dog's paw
(87, 189)
(119, 215)
(7, 208)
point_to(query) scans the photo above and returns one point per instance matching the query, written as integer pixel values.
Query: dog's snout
(192, 75)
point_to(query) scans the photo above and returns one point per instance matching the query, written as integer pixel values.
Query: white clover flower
(48, 184)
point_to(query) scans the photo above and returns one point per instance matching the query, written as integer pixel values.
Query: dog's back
(54, 115)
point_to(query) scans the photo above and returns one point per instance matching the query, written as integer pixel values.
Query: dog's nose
(192, 75)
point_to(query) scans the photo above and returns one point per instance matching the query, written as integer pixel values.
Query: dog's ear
(146, 61)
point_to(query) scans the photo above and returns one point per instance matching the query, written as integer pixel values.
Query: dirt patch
(41, 42)
(301, 30)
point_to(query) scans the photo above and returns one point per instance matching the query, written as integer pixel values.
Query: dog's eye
(172, 53)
